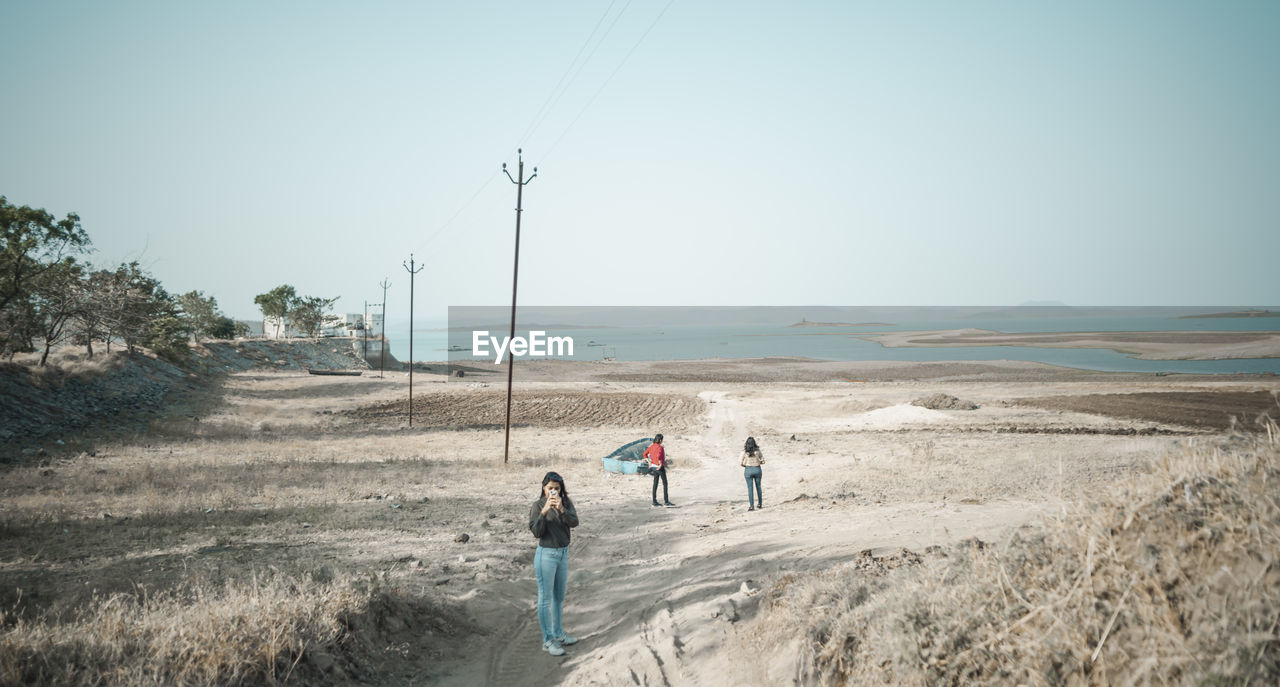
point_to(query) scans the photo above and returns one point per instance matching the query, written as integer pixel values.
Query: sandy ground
(1172, 345)
(293, 473)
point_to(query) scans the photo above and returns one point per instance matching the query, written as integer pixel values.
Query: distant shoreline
(1234, 314)
(806, 323)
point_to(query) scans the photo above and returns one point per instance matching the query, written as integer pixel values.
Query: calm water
(693, 342)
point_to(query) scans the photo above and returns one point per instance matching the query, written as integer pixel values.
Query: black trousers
(663, 475)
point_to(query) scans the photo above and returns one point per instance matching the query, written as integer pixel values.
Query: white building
(348, 325)
(275, 328)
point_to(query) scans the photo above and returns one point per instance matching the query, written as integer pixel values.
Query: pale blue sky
(746, 153)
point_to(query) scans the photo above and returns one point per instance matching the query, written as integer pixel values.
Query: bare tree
(58, 296)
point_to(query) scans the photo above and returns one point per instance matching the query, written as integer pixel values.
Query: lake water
(691, 341)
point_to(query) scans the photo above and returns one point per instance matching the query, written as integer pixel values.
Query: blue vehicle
(628, 459)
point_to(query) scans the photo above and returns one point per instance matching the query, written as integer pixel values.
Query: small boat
(336, 373)
(628, 459)
(593, 343)
(456, 347)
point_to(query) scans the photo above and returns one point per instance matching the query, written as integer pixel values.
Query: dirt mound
(944, 402)
(283, 354)
(1168, 579)
(55, 408)
(40, 407)
(1202, 409)
(487, 409)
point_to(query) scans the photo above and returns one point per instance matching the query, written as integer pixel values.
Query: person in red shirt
(657, 457)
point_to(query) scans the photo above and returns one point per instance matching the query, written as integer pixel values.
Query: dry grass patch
(1170, 577)
(267, 630)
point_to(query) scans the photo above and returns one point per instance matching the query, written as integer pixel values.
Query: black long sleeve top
(552, 529)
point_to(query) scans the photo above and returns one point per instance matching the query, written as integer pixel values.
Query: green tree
(31, 243)
(226, 328)
(277, 303)
(167, 335)
(311, 313)
(200, 311)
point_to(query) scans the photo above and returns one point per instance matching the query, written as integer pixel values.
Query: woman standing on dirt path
(550, 520)
(657, 457)
(752, 459)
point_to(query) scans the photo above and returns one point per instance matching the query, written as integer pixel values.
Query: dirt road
(655, 593)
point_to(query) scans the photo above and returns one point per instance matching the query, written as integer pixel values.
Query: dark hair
(751, 446)
(657, 438)
(554, 477)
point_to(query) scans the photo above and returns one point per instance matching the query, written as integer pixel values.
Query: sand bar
(1166, 345)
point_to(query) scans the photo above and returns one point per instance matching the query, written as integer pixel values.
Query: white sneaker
(552, 648)
(567, 640)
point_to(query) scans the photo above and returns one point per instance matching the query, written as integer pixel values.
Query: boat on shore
(336, 373)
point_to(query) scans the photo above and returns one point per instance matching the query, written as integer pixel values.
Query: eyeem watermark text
(537, 345)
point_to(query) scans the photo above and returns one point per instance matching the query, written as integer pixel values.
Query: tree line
(49, 296)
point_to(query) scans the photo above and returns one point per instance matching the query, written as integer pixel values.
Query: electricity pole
(410, 269)
(382, 360)
(364, 329)
(515, 275)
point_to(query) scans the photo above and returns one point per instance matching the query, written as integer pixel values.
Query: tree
(31, 243)
(99, 309)
(140, 301)
(201, 312)
(277, 303)
(311, 313)
(59, 295)
(167, 335)
(226, 328)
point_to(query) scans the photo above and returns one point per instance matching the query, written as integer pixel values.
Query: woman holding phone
(550, 519)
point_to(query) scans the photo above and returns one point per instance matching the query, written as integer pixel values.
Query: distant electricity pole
(410, 269)
(382, 359)
(520, 182)
(364, 329)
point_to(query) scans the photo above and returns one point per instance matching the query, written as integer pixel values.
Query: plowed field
(1212, 410)
(482, 410)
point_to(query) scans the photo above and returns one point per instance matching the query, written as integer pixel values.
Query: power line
(457, 213)
(556, 94)
(536, 121)
(547, 106)
(606, 81)
(583, 66)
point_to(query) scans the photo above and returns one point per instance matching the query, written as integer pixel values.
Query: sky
(688, 152)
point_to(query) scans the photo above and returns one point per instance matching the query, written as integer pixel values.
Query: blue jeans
(551, 566)
(753, 477)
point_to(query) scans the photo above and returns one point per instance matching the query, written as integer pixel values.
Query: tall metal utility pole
(382, 360)
(412, 272)
(515, 276)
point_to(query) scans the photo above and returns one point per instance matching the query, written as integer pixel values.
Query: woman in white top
(752, 459)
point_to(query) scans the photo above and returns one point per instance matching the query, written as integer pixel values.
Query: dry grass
(170, 535)
(266, 630)
(1170, 577)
